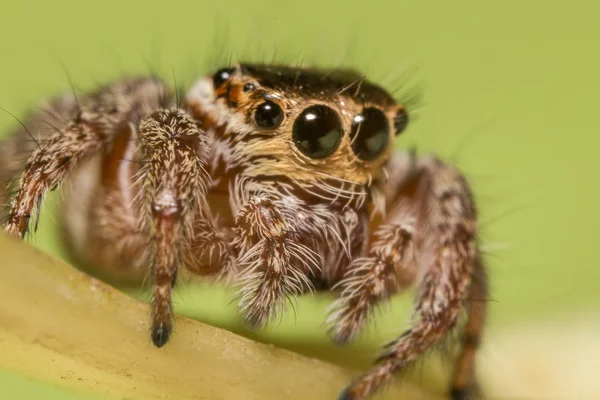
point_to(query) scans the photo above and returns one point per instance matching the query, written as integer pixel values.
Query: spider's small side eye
(268, 115)
(400, 121)
(250, 86)
(221, 76)
(370, 134)
(317, 131)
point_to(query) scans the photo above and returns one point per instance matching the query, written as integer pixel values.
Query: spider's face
(303, 123)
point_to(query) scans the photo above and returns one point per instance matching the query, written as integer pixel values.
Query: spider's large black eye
(317, 131)
(268, 115)
(221, 76)
(400, 121)
(370, 134)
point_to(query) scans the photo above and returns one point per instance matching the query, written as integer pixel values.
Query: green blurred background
(510, 93)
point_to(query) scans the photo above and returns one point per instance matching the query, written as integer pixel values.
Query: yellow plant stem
(59, 325)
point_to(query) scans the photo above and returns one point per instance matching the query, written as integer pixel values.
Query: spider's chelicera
(276, 179)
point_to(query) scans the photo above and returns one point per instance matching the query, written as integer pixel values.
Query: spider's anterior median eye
(268, 115)
(317, 131)
(370, 134)
(221, 76)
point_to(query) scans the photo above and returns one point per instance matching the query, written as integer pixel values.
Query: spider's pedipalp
(174, 184)
(274, 264)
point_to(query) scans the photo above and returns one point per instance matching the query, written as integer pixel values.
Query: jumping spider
(280, 179)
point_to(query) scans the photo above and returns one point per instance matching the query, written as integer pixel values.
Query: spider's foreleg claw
(161, 334)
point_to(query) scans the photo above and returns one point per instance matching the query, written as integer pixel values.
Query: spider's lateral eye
(268, 115)
(400, 121)
(317, 132)
(248, 87)
(370, 134)
(221, 76)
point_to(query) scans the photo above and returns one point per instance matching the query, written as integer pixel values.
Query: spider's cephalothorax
(277, 179)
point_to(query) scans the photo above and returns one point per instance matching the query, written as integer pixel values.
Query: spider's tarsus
(341, 338)
(253, 323)
(346, 395)
(343, 395)
(255, 318)
(161, 334)
(461, 394)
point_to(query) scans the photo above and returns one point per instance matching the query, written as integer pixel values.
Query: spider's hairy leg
(103, 224)
(390, 265)
(94, 120)
(463, 380)
(47, 167)
(209, 251)
(31, 132)
(174, 185)
(445, 237)
(388, 268)
(275, 265)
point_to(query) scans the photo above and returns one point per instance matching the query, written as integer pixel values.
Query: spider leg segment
(96, 119)
(37, 127)
(174, 185)
(112, 236)
(209, 251)
(371, 279)
(462, 381)
(47, 167)
(274, 264)
(444, 234)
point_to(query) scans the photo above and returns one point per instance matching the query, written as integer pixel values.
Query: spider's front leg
(429, 235)
(275, 264)
(47, 167)
(174, 184)
(95, 120)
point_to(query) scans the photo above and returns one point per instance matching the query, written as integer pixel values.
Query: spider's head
(302, 123)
